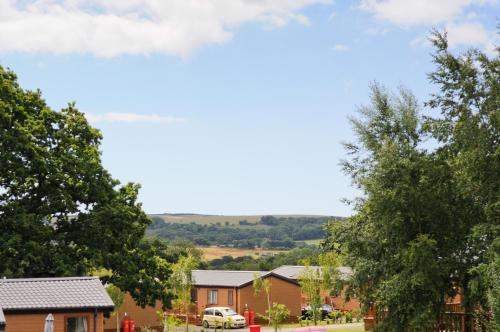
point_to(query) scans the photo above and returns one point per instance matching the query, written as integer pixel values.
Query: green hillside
(249, 232)
(187, 218)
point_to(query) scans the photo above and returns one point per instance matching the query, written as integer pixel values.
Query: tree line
(296, 256)
(270, 233)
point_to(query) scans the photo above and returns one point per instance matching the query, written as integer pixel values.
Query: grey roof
(293, 271)
(53, 293)
(223, 278)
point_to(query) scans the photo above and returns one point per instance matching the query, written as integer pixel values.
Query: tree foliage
(277, 314)
(271, 232)
(425, 225)
(181, 283)
(117, 296)
(311, 282)
(61, 212)
(263, 285)
(295, 256)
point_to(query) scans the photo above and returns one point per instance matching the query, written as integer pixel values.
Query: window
(194, 295)
(230, 297)
(77, 324)
(212, 296)
(209, 312)
(218, 313)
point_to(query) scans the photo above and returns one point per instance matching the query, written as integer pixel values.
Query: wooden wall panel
(36, 322)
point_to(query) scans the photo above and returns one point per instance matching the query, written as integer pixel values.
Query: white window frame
(213, 296)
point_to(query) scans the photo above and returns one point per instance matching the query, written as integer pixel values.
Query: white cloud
(131, 117)
(418, 12)
(467, 34)
(108, 28)
(464, 34)
(341, 47)
(454, 16)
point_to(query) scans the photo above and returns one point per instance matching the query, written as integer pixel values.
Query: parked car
(324, 310)
(222, 316)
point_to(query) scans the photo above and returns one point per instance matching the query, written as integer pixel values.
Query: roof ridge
(48, 279)
(233, 271)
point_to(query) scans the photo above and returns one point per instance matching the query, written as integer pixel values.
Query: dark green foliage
(278, 233)
(61, 212)
(426, 225)
(468, 130)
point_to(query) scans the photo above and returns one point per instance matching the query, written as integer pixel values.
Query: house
(293, 272)
(76, 304)
(234, 289)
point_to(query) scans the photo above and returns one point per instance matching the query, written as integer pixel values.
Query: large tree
(61, 212)
(468, 131)
(425, 226)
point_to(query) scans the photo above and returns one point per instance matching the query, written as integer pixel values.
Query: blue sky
(230, 107)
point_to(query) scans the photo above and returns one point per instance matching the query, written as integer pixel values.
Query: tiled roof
(293, 271)
(223, 278)
(53, 293)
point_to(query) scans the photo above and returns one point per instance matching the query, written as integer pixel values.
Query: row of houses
(234, 289)
(81, 304)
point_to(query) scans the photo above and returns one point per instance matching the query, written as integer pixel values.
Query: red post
(254, 328)
(252, 318)
(126, 325)
(246, 314)
(132, 326)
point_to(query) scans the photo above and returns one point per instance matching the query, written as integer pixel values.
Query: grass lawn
(353, 329)
(296, 325)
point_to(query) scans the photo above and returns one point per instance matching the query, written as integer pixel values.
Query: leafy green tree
(117, 296)
(310, 281)
(61, 212)
(398, 243)
(263, 285)
(468, 131)
(331, 279)
(277, 315)
(425, 225)
(167, 321)
(181, 283)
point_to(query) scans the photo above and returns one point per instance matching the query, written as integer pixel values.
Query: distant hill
(187, 218)
(255, 231)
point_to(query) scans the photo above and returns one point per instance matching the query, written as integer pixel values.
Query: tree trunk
(268, 309)
(187, 318)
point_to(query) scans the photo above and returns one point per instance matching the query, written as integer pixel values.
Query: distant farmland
(213, 252)
(277, 232)
(186, 218)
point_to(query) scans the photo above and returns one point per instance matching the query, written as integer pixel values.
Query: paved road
(289, 329)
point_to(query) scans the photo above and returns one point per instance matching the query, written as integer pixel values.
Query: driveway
(285, 329)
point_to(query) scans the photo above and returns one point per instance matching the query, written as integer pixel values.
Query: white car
(222, 316)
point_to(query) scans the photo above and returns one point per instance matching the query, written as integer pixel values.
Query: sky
(231, 106)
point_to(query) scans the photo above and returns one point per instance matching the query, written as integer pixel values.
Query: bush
(348, 317)
(357, 314)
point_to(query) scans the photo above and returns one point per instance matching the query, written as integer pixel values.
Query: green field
(315, 241)
(276, 232)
